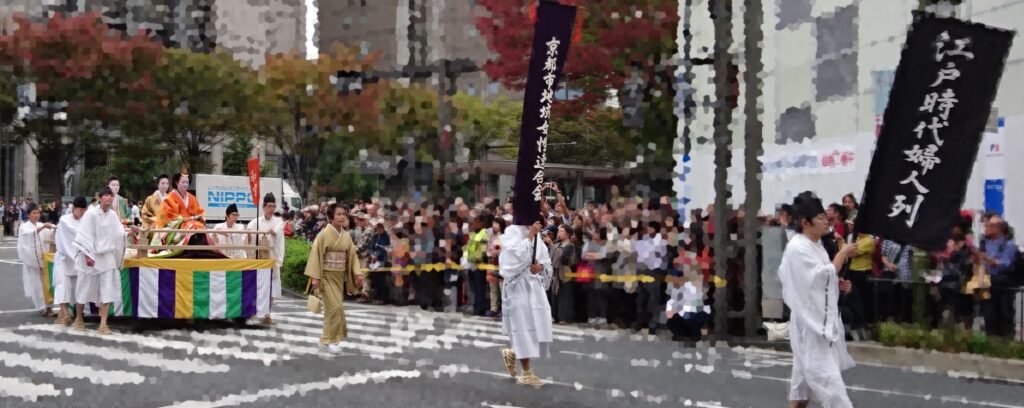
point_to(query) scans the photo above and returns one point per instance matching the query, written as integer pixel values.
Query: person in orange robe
(181, 203)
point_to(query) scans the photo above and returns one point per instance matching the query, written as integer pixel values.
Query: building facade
(828, 68)
(411, 33)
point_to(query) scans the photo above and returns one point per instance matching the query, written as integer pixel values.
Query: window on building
(568, 94)
(836, 56)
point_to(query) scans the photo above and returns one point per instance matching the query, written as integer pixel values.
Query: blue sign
(994, 195)
(224, 198)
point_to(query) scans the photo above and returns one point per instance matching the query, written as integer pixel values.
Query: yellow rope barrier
(441, 267)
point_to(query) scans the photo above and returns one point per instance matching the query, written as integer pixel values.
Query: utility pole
(721, 16)
(753, 36)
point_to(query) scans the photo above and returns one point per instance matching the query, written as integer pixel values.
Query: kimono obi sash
(335, 260)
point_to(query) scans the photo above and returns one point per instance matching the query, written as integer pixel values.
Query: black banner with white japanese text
(551, 36)
(940, 101)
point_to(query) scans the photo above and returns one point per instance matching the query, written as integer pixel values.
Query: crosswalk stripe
(313, 338)
(289, 390)
(390, 331)
(60, 369)
(448, 335)
(467, 328)
(397, 348)
(480, 329)
(163, 343)
(109, 353)
(286, 347)
(473, 326)
(27, 391)
(392, 311)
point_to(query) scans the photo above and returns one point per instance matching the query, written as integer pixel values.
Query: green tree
(340, 177)
(600, 139)
(405, 111)
(136, 161)
(268, 169)
(236, 156)
(88, 75)
(485, 124)
(301, 107)
(203, 100)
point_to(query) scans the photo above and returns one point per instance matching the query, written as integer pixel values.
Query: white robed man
(100, 244)
(30, 253)
(230, 224)
(811, 288)
(525, 266)
(65, 275)
(268, 222)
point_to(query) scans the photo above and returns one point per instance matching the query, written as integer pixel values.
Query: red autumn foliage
(608, 36)
(80, 60)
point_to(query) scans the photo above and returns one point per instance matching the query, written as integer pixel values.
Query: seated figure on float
(181, 205)
(179, 210)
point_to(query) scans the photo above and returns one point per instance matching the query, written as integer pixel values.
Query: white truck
(217, 192)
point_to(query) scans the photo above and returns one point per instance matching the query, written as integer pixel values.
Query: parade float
(168, 273)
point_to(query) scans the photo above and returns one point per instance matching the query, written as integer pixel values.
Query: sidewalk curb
(292, 293)
(782, 346)
(968, 365)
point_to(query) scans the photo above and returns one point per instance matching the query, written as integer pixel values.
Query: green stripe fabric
(49, 271)
(234, 294)
(126, 293)
(201, 295)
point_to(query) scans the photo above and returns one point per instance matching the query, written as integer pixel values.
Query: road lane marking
(110, 353)
(60, 369)
(163, 343)
(27, 391)
(447, 335)
(290, 390)
(18, 311)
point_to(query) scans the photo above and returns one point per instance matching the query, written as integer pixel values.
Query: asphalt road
(405, 357)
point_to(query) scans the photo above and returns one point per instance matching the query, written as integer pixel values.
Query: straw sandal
(508, 356)
(529, 378)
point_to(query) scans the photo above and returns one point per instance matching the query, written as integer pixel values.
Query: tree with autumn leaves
(149, 110)
(101, 78)
(303, 110)
(612, 40)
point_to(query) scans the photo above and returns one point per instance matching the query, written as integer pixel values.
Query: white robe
(810, 287)
(231, 239)
(30, 254)
(64, 273)
(275, 224)
(526, 314)
(101, 236)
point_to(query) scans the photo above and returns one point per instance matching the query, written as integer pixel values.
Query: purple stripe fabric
(133, 275)
(248, 293)
(165, 305)
(93, 310)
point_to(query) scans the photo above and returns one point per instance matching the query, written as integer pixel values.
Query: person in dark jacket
(957, 268)
(380, 245)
